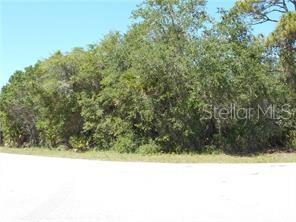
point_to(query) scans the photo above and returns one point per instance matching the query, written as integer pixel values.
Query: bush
(292, 139)
(149, 148)
(124, 144)
(62, 147)
(211, 149)
(78, 143)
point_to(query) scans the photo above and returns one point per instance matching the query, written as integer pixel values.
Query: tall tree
(18, 114)
(283, 37)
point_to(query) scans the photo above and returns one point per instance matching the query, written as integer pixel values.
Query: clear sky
(34, 29)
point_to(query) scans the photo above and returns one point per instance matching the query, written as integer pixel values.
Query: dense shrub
(149, 148)
(154, 89)
(292, 139)
(124, 144)
(79, 143)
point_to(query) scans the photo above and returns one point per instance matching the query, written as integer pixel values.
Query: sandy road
(40, 189)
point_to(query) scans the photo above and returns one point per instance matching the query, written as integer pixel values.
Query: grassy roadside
(164, 158)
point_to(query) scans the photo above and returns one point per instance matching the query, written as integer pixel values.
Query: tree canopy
(282, 12)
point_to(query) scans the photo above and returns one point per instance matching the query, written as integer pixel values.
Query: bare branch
(263, 21)
(274, 10)
(285, 6)
(294, 3)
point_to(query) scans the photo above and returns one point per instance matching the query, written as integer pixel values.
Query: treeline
(157, 87)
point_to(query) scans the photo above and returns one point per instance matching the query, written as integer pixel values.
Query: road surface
(42, 189)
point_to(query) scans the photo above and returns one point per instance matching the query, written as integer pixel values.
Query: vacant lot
(64, 190)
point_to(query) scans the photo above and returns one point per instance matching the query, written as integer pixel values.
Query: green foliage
(79, 143)
(124, 144)
(285, 30)
(17, 110)
(283, 38)
(292, 139)
(146, 91)
(149, 148)
(210, 149)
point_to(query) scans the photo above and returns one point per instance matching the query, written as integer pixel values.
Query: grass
(164, 158)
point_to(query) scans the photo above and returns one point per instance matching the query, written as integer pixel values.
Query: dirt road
(41, 189)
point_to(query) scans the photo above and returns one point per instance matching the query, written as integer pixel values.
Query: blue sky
(31, 30)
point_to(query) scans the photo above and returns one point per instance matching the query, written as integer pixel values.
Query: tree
(18, 111)
(283, 37)
(260, 11)
(62, 79)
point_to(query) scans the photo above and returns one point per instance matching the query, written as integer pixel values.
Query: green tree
(282, 12)
(18, 114)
